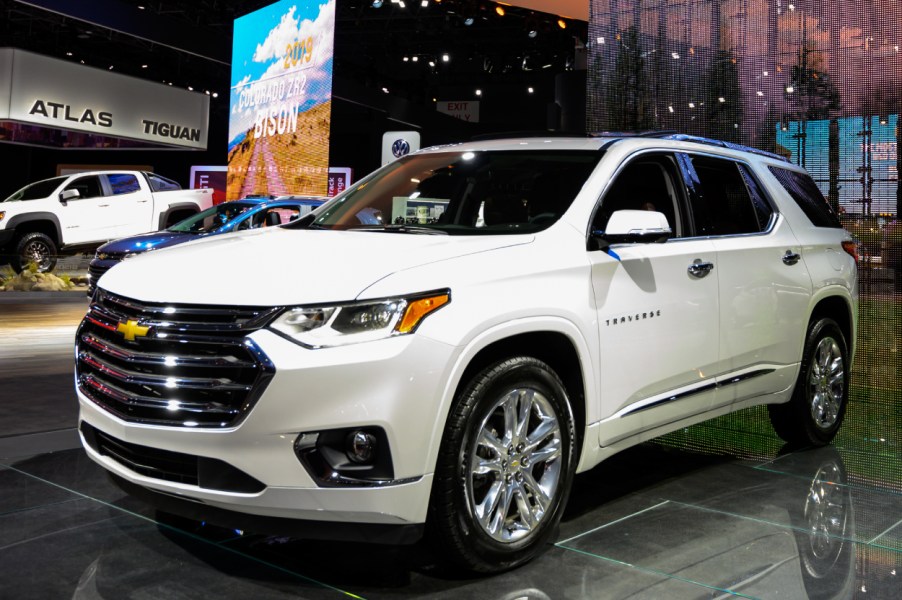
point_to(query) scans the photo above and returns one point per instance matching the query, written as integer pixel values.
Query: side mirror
(633, 227)
(69, 195)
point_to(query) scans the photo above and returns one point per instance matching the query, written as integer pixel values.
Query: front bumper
(394, 384)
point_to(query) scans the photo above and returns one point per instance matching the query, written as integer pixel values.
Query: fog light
(361, 447)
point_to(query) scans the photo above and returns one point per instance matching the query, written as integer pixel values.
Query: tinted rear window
(808, 196)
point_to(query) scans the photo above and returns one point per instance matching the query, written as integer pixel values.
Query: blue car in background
(238, 215)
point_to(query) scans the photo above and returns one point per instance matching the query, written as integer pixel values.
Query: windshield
(465, 193)
(213, 218)
(37, 190)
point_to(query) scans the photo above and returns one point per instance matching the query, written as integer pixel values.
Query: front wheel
(35, 248)
(818, 404)
(505, 467)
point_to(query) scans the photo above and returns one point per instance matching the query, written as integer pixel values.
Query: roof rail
(483, 137)
(682, 137)
(669, 134)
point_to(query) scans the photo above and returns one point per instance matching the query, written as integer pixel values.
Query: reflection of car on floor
(549, 303)
(249, 213)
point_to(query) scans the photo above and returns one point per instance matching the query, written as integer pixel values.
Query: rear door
(658, 323)
(764, 287)
(89, 217)
(130, 204)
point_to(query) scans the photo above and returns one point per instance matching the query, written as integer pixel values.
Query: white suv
(443, 346)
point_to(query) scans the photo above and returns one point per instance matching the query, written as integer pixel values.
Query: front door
(657, 308)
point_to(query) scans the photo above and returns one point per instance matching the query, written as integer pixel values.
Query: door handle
(103, 205)
(700, 269)
(142, 201)
(791, 258)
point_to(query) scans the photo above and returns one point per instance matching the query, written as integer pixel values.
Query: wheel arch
(42, 222)
(554, 341)
(842, 310)
(181, 209)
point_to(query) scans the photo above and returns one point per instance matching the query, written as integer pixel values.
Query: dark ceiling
(187, 43)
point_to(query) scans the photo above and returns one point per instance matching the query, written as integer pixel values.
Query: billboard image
(281, 99)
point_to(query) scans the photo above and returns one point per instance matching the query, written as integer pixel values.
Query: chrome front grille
(171, 364)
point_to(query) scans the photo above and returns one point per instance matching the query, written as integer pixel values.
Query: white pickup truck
(78, 212)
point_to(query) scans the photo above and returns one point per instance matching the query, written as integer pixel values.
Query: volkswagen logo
(400, 148)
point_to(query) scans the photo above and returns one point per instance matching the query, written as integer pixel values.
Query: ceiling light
(530, 90)
(190, 89)
(140, 7)
(415, 59)
(721, 99)
(692, 105)
(68, 54)
(760, 93)
(111, 67)
(377, 3)
(424, 3)
(670, 108)
(479, 92)
(532, 33)
(600, 40)
(143, 66)
(789, 89)
(468, 21)
(562, 23)
(675, 55)
(385, 90)
(431, 63)
(499, 10)
(445, 58)
(406, 58)
(215, 95)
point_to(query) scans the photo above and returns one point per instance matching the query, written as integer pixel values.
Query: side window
(722, 203)
(808, 196)
(763, 208)
(88, 187)
(646, 183)
(123, 183)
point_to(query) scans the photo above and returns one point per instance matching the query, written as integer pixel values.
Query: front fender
(539, 324)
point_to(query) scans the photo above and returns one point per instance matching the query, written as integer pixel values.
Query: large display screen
(819, 82)
(775, 75)
(281, 100)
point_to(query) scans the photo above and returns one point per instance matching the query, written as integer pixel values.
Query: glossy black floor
(713, 511)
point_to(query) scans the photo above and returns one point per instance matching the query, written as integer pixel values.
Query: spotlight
(377, 3)
(499, 10)
(406, 58)
(415, 58)
(424, 3)
(431, 63)
(143, 66)
(562, 23)
(530, 90)
(721, 99)
(468, 21)
(384, 90)
(533, 33)
(479, 92)
(446, 57)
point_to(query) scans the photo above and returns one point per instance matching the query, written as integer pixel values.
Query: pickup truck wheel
(818, 404)
(505, 467)
(35, 248)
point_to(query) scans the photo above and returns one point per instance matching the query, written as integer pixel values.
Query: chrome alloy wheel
(515, 465)
(826, 383)
(37, 252)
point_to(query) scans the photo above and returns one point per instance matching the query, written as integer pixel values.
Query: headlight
(342, 324)
(2, 214)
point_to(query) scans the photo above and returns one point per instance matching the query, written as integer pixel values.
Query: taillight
(851, 248)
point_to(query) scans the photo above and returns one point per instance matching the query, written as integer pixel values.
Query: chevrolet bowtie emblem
(131, 330)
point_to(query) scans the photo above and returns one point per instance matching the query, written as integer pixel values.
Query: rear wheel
(818, 404)
(505, 467)
(35, 248)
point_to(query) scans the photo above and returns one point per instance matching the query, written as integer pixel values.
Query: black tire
(513, 463)
(35, 248)
(818, 404)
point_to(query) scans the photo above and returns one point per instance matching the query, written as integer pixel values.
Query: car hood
(153, 240)
(286, 266)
